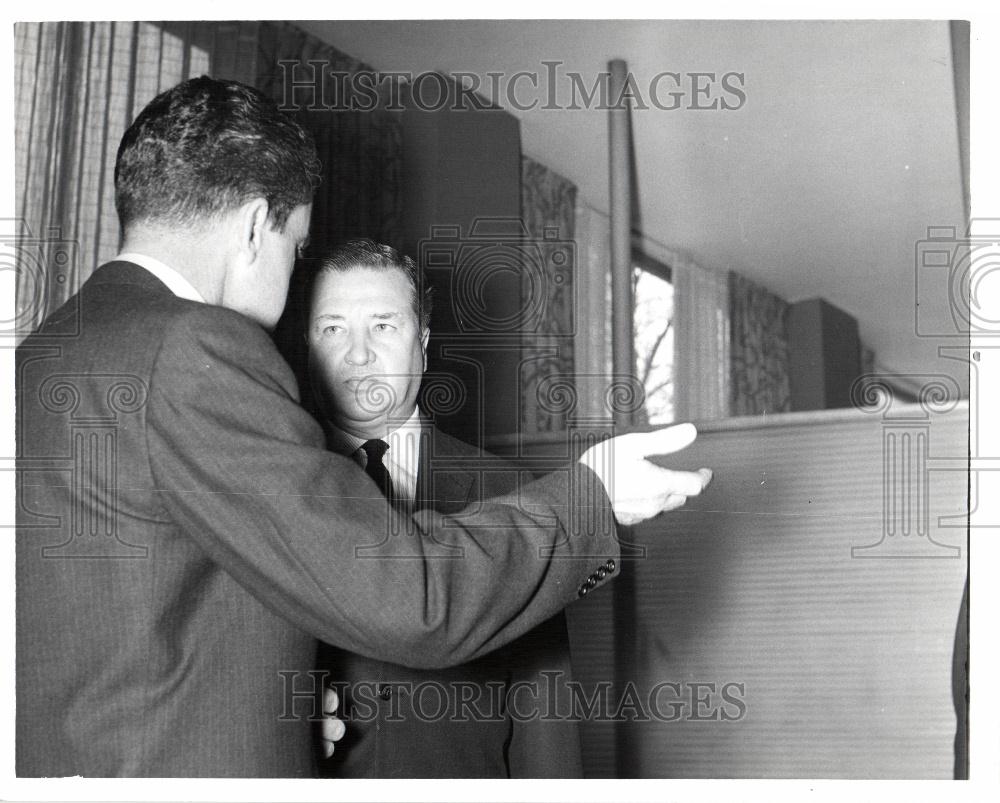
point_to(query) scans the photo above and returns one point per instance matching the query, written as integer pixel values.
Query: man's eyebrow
(334, 316)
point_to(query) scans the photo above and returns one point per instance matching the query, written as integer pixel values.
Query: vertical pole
(623, 364)
(619, 179)
(959, 35)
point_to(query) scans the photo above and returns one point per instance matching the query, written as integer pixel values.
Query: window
(653, 337)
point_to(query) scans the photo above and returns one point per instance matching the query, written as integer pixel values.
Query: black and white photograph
(396, 403)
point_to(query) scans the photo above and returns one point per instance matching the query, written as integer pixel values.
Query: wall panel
(794, 576)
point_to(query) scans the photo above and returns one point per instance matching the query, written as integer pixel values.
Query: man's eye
(332, 329)
(384, 327)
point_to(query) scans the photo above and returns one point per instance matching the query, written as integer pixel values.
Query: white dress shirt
(178, 285)
(402, 458)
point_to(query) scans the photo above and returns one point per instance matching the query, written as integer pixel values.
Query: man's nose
(359, 350)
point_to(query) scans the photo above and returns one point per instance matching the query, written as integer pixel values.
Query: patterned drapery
(78, 85)
(758, 349)
(548, 211)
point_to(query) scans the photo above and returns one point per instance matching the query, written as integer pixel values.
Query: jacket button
(601, 573)
(583, 591)
(610, 564)
(591, 582)
(385, 692)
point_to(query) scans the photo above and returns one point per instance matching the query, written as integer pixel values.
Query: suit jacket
(184, 537)
(495, 717)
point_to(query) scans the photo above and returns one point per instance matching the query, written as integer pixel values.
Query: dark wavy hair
(207, 146)
(365, 253)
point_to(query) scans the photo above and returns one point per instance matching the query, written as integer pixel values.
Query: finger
(330, 701)
(668, 440)
(332, 729)
(673, 502)
(682, 483)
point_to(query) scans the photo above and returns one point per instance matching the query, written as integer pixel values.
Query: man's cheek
(343, 397)
(329, 371)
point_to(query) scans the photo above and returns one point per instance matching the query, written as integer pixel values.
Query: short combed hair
(365, 253)
(206, 147)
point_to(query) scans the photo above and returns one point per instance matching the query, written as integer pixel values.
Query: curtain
(701, 344)
(361, 151)
(78, 85)
(759, 349)
(701, 321)
(548, 204)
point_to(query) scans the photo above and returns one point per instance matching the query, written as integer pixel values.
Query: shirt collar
(347, 444)
(177, 284)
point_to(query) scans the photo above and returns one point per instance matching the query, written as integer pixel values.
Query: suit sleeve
(241, 468)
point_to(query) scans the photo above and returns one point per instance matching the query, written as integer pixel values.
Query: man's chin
(359, 421)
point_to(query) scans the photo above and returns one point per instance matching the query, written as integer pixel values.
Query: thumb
(683, 483)
(669, 439)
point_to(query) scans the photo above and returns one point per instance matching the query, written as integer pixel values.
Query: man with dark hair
(184, 536)
(367, 329)
(206, 146)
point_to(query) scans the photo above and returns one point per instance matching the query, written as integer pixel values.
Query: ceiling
(821, 183)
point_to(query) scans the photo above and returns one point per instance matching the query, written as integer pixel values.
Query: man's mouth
(363, 384)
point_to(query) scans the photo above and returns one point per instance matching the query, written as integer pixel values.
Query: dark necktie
(375, 468)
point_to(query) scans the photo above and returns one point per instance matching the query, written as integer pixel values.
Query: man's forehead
(364, 277)
(356, 289)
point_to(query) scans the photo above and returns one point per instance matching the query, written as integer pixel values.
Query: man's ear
(253, 221)
(423, 345)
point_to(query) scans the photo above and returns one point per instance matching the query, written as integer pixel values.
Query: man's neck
(190, 255)
(346, 437)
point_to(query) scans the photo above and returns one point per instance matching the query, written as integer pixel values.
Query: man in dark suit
(367, 330)
(183, 534)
